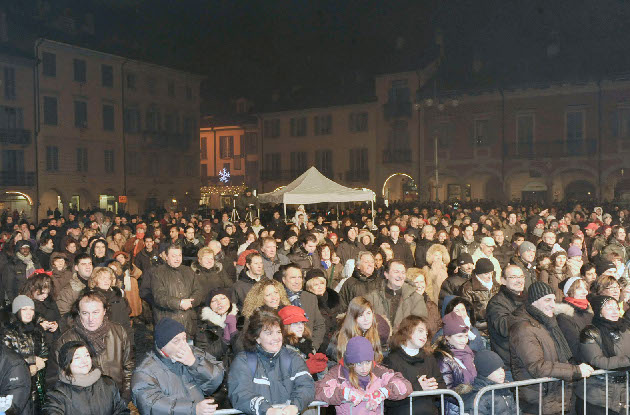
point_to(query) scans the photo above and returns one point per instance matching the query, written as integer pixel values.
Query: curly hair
(100, 272)
(256, 298)
(446, 258)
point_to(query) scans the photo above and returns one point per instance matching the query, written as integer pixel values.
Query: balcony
(15, 136)
(17, 178)
(551, 149)
(397, 109)
(397, 156)
(358, 176)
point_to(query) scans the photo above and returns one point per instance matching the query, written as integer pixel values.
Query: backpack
(252, 361)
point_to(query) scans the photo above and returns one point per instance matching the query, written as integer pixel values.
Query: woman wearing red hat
(297, 336)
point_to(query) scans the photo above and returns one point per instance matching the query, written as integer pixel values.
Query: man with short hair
(175, 378)
(362, 280)
(176, 291)
(545, 246)
(148, 257)
(401, 248)
(293, 281)
(394, 298)
(272, 259)
(486, 250)
(306, 254)
(511, 227)
(466, 244)
(109, 340)
(501, 308)
(82, 272)
(503, 250)
(525, 260)
(538, 349)
(18, 269)
(253, 272)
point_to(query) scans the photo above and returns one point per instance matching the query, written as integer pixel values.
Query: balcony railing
(551, 149)
(17, 178)
(397, 109)
(15, 136)
(397, 156)
(358, 176)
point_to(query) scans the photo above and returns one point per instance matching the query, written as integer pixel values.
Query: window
(298, 163)
(9, 82)
(323, 162)
(575, 132)
(620, 124)
(273, 164)
(251, 143)
(482, 133)
(11, 118)
(80, 114)
(109, 161)
(204, 148)
(399, 136)
(525, 134)
(49, 64)
(132, 120)
(133, 163)
(82, 160)
(359, 164)
(52, 158)
(226, 146)
(189, 93)
(107, 76)
(575, 126)
(153, 120)
(131, 81)
(171, 89)
(323, 124)
(151, 85)
(190, 128)
(358, 122)
(173, 166)
(169, 123)
(50, 111)
(80, 70)
(153, 162)
(399, 91)
(108, 117)
(271, 128)
(189, 167)
(298, 127)
(445, 131)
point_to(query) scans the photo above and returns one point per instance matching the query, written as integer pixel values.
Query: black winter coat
(210, 279)
(15, 380)
(412, 367)
(572, 321)
(330, 307)
(358, 285)
(14, 276)
(500, 314)
(47, 310)
(118, 308)
(100, 398)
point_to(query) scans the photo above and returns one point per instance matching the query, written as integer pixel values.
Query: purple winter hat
(359, 349)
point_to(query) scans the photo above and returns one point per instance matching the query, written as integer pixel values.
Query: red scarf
(581, 304)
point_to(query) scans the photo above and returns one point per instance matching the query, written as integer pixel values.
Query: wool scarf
(28, 261)
(608, 329)
(466, 359)
(97, 338)
(551, 324)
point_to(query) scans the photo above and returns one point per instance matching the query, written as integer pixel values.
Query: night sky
(335, 47)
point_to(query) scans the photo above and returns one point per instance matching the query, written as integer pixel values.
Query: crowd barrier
(540, 382)
(442, 393)
(436, 392)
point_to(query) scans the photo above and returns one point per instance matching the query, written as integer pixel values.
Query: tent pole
(337, 211)
(372, 201)
(285, 212)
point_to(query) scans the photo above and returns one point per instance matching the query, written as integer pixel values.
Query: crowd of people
(265, 315)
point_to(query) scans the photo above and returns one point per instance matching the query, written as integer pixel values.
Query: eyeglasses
(516, 277)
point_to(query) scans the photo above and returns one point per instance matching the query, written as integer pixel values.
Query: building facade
(229, 154)
(17, 146)
(108, 126)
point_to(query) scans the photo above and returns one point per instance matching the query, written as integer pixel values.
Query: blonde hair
(100, 272)
(203, 252)
(350, 328)
(256, 296)
(413, 273)
(311, 282)
(446, 258)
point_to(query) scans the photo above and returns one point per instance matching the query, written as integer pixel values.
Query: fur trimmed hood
(211, 317)
(569, 310)
(197, 268)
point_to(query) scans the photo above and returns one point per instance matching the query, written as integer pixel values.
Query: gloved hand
(376, 398)
(316, 363)
(353, 396)
(230, 326)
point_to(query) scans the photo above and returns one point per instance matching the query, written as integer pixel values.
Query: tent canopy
(314, 187)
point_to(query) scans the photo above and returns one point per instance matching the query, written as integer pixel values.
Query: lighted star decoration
(224, 176)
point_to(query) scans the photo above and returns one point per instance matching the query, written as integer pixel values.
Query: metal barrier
(540, 381)
(317, 404)
(441, 393)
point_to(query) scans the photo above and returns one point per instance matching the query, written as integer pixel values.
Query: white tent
(314, 187)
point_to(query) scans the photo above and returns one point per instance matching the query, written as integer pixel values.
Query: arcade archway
(400, 187)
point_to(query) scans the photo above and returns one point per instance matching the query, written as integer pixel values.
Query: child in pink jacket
(360, 383)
